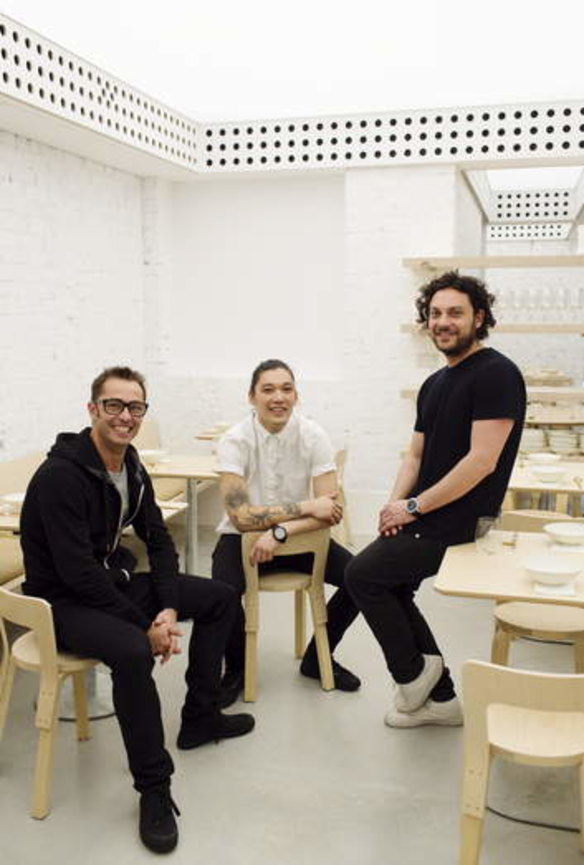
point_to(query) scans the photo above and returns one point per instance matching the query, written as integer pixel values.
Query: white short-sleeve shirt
(278, 467)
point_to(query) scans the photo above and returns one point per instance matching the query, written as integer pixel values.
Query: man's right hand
(325, 508)
(163, 639)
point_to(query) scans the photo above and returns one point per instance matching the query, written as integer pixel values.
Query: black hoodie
(71, 526)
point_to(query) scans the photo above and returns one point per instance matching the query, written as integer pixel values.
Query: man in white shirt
(278, 476)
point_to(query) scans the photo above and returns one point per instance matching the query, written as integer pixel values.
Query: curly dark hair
(477, 291)
(123, 372)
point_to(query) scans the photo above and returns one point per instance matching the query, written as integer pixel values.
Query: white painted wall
(258, 264)
(71, 293)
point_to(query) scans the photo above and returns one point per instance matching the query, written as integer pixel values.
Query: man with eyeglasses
(89, 489)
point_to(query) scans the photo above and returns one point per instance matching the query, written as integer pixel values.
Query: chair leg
(500, 646)
(471, 832)
(5, 692)
(44, 762)
(323, 652)
(251, 667)
(579, 655)
(581, 776)
(299, 623)
(81, 713)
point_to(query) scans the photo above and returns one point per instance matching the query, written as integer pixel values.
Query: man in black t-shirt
(466, 436)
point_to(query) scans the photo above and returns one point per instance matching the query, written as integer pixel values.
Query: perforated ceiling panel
(42, 74)
(476, 135)
(532, 205)
(530, 231)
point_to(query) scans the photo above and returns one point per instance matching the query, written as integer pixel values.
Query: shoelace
(162, 804)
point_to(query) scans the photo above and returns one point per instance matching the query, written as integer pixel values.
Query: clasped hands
(163, 634)
(392, 516)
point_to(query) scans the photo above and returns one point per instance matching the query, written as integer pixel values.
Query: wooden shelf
(484, 262)
(518, 327)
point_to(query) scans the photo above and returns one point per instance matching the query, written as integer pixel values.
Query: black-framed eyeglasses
(116, 406)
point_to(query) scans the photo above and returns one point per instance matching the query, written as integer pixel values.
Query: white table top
(198, 467)
(522, 478)
(470, 573)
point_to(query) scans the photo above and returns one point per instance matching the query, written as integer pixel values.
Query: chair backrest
(15, 474)
(11, 564)
(532, 520)
(308, 542)
(340, 462)
(148, 437)
(484, 684)
(36, 615)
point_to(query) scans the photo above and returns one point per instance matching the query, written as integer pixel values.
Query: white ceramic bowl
(553, 569)
(565, 533)
(543, 459)
(150, 457)
(548, 474)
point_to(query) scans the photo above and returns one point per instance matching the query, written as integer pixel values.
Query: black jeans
(383, 579)
(228, 568)
(125, 649)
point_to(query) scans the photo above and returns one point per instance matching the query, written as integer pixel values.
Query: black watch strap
(280, 533)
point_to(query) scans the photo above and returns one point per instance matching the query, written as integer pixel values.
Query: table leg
(191, 552)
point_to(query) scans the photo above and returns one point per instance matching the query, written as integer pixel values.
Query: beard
(460, 346)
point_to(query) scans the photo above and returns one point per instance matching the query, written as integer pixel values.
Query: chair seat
(25, 652)
(284, 582)
(535, 736)
(530, 617)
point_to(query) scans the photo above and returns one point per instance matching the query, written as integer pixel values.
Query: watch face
(279, 533)
(412, 506)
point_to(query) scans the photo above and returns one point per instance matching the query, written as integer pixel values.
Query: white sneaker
(412, 695)
(448, 714)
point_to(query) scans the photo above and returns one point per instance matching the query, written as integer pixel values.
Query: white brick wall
(195, 283)
(71, 293)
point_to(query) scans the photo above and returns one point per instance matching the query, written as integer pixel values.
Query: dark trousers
(228, 568)
(125, 649)
(383, 579)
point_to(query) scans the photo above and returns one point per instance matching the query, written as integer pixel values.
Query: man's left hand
(393, 516)
(169, 631)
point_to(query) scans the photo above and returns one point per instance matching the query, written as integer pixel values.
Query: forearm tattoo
(261, 516)
(267, 515)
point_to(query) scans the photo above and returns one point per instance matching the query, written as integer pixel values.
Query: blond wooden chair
(11, 564)
(148, 438)
(36, 651)
(521, 716)
(15, 474)
(341, 533)
(289, 581)
(517, 619)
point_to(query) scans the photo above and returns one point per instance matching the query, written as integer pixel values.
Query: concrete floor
(320, 781)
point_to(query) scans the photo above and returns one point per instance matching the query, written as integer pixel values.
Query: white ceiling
(534, 178)
(260, 58)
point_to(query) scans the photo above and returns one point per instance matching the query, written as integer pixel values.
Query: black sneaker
(344, 679)
(230, 688)
(213, 729)
(158, 829)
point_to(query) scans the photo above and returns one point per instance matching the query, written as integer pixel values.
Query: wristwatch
(280, 533)
(412, 507)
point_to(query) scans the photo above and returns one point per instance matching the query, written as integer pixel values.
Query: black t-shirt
(484, 386)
